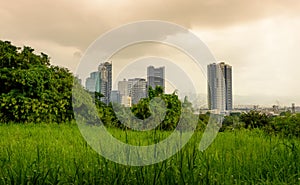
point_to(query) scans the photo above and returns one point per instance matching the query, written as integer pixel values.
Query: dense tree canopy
(31, 88)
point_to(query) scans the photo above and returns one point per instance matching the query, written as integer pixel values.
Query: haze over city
(259, 39)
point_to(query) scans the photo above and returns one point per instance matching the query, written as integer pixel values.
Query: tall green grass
(57, 154)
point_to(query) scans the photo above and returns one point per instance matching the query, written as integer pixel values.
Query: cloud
(78, 23)
(264, 56)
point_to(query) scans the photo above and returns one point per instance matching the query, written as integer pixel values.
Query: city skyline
(259, 38)
(199, 100)
(128, 91)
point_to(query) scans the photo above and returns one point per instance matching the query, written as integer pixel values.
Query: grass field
(57, 154)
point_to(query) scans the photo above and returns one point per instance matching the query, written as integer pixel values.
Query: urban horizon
(200, 100)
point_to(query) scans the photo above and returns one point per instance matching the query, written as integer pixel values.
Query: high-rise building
(156, 77)
(123, 87)
(92, 82)
(219, 86)
(101, 81)
(124, 93)
(115, 97)
(105, 82)
(137, 89)
(227, 71)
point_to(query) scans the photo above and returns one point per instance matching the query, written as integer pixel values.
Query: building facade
(124, 93)
(219, 81)
(92, 82)
(101, 81)
(123, 87)
(115, 97)
(137, 89)
(105, 82)
(156, 77)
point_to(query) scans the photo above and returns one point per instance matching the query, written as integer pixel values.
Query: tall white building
(219, 86)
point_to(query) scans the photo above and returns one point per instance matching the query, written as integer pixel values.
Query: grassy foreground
(57, 154)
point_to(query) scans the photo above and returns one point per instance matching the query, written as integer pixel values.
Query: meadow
(58, 154)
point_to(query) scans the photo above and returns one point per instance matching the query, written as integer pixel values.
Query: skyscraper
(105, 74)
(92, 82)
(156, 77)
(137, 89)
(219, 86)
(115, 97)
(123, 87)
(124, 93)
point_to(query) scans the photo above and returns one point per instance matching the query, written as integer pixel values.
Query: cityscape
(219, 89)
(129, 91)
(150, 92)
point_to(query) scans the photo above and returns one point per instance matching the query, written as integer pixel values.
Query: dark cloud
(78, 23)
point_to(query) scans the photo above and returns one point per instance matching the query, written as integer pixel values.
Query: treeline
(286, 125)
(158, 110)
(32, 90)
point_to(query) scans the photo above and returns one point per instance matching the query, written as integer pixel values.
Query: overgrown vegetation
(285, 125)
(162, 108)
(57, 154)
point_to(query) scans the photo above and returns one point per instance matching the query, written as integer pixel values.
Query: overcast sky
(260, 39)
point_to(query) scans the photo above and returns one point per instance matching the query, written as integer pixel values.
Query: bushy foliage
(254, 119)
(141, 111)
(32, 90)
(286, 125)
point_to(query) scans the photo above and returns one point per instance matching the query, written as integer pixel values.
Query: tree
(32, 89)
(171, 103)
(254, 119)
(287, 125)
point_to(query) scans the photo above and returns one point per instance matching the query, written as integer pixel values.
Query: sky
(259, 39)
